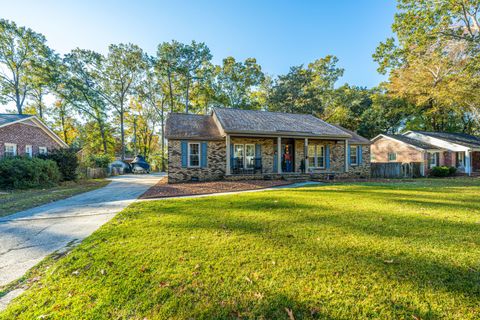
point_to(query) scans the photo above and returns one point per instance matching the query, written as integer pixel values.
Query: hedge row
(443, 171)
(43, 171)
(22, 173)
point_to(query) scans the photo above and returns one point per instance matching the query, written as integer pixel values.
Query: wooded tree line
(117, 103)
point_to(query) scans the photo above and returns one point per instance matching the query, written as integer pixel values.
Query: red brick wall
(405, 153)
(24, 134)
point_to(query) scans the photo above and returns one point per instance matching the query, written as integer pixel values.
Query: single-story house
(239, 144)
(430, 148)
(26, 135)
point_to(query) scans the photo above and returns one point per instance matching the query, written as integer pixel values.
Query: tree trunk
(170, 91)
(17, 102)
(122, 132)
(102, 134)
(186, 95)
(62, 119)
(163, 136)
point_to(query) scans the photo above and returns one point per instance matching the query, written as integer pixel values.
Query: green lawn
(340, 251)
(18, 200)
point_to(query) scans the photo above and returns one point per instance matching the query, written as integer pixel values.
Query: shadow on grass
(279, 230)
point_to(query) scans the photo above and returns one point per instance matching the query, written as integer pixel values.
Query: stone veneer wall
(216, 163)
(337, 159)
(216, 159)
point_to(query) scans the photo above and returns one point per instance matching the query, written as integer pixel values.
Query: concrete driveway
(29, 236)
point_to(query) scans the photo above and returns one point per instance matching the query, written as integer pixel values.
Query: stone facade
(23, 134)
(216, 163)
(216, 160)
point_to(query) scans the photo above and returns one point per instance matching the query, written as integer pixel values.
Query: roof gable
(191, 126)
(7, 119)
(275, 123)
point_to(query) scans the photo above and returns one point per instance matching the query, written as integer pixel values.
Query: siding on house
(23, 134)
(405, 153)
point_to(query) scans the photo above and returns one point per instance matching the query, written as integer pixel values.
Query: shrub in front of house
(67, 162)
(23, 173)
(442, 171)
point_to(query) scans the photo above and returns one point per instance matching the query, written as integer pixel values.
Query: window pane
(311, 156)
(321, 156)
(250, 155)
(353, 154)
(194, 154)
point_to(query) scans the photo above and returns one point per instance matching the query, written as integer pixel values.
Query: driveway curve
(29, 236)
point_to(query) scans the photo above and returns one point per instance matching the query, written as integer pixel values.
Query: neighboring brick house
(26, 135)
(239, 144)
(430, 148)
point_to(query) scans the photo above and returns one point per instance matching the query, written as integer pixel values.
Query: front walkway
(29, 236)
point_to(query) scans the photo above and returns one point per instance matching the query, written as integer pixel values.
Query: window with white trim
(392, 156)
(249, 156)
(42, 150)
(244, 156)
(10, 150)
(194, 154)
(353, 155)
(433, 159)
(460, 159)
(29, 150)
(316, 156)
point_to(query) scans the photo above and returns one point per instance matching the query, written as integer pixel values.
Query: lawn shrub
(23, 173)
(452, 170)
(67, 162)
(99, 161)
(442, 171)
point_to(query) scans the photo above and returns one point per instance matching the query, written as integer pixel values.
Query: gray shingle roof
(276, 123)
(413, 142)
(356, 138)
(458, 138)
(191, 126)
(10, 117)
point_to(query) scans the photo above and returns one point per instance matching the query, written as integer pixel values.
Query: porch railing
(250, 166)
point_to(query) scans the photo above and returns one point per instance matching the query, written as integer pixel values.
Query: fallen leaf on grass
(258, 295)
(290, 314)
(248, 279)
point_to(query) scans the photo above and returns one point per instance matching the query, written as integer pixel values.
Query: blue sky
(279, 34)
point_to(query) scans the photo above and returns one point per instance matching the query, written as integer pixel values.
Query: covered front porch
(466, 161)
(273, 157)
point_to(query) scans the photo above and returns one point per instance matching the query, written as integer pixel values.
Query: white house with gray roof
(245, 144)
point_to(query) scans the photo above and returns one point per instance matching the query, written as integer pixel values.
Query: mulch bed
(164, 190)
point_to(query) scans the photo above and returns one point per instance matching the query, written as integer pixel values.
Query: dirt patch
(164, 190)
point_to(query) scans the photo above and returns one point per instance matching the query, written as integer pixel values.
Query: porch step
(296, 178)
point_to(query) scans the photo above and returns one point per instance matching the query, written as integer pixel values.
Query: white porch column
(468, 162)
(227, 169)
(279, 155)
(306, 155)
(346, 155)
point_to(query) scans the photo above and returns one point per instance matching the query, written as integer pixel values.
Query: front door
(476, 161)
(288, 156)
